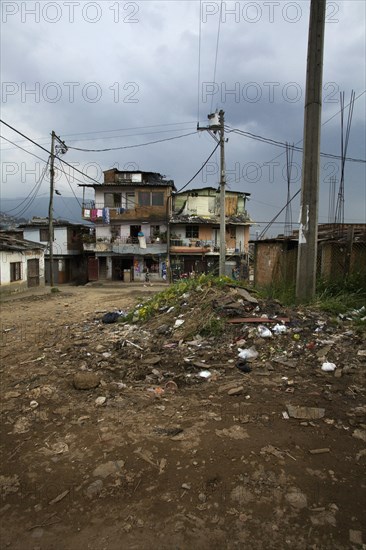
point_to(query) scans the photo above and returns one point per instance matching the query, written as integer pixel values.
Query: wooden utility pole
(50, 208)
(308, 230)
(222, 195)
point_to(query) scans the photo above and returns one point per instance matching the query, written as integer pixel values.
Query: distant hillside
(12, 211)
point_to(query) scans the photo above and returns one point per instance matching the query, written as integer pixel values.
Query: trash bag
(111, 317)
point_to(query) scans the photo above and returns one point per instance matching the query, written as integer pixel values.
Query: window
(154, 198)
(144, 198)
(130, 200)
(192, 231)
(44, 234)
(112, 200)
(15, 271)
(157, 198)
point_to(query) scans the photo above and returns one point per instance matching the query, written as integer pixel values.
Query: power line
(68, 181)
(119, 130)
(199, 62)
(48, 152)
(198, 171)
(282, 144)
(22, 148)
(131, 146)
(299, 141)
(277, 215)
(217, 50)
(31, 198)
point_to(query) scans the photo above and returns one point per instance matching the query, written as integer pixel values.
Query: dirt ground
(165, 458)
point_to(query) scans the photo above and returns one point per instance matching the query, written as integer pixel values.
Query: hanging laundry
(142, 240)
(99, 213)
(93, 214)
(106, 215)
(86, 213)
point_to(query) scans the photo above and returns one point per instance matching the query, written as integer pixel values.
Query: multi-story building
(130, 212)
(195, 232)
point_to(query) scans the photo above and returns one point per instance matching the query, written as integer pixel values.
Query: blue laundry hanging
(106, 215)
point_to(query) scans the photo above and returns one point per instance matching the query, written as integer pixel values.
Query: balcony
(127, 245)
(191, 246)
(97, 213)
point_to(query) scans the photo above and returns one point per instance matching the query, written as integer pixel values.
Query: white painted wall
(6, 257)
(59, 244)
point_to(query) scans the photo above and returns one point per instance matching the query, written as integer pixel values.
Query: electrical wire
(198, 171)
(282, 144)
(31, 198)
(299, 141)
(199, 62)
(277, 215)
(22, 148)
(130, 146)
(217, 50)
(48, 152)
(68, 181)
(117, 130)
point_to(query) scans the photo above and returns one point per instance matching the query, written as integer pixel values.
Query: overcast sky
(108, 74)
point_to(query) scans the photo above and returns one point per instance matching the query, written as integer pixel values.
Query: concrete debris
(303, 413)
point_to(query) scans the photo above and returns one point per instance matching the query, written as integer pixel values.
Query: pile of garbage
(200, 330)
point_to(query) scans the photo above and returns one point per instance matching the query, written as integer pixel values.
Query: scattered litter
(243, 367)
(279, 329)
(319, 451)
(158, 391)
(328, 367)
(204, 374)
(112, 317)
(247, 354)
(264, 332)
(171, 387)
(178, 323)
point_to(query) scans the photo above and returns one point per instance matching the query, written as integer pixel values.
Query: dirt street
(154, 454)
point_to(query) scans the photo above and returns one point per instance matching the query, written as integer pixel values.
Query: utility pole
(217, 124)
(50, 208)
(308, 230)
(222, 196)
(58, 148)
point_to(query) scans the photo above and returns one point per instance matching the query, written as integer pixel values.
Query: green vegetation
(173, 295)
(333, 297)
(54, 289)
